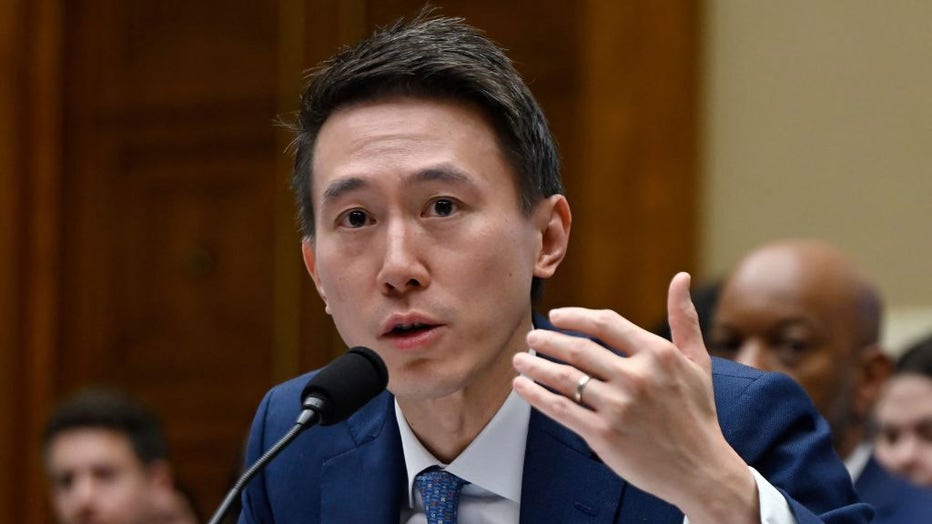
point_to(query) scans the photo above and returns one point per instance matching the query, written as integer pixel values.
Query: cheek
(509, 251)
(340, 276)
(823, 378)
(884, 453)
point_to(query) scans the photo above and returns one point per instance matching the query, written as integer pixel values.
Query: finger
(684, 321)
(605, 325)
(579, 352)
(558, 407)
(560, 378)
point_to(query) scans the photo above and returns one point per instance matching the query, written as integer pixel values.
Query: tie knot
(441, 492)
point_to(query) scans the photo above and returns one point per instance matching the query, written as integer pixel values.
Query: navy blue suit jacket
(354, 472)
(895, 501)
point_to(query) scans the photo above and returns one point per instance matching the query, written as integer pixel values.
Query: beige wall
(818, 123)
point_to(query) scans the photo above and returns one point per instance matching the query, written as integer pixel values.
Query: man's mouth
(402, 330)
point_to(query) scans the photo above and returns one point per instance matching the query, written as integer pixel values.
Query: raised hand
(649, 415)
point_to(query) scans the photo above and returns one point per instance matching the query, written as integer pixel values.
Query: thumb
(684, 321)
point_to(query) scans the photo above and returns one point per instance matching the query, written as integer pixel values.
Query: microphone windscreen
(346, 384)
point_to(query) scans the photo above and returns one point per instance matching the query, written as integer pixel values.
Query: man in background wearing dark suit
(431, 206)
(802, 307)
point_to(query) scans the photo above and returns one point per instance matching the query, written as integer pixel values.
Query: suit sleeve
(254, 498)
(776, 429)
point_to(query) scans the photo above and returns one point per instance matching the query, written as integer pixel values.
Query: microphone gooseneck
(330, 396)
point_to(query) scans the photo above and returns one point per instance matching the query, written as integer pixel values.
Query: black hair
(431, 57)
(107, 408)
(917, 359)
(434, 57)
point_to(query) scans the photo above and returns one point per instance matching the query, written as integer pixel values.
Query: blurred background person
(904, 417)
(106, 460)
(804, 308)
(176, 506)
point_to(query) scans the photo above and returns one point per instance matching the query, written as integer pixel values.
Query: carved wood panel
(169, 217)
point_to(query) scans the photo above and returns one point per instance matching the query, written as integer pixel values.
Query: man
(106, 460)
(904, 417)
(430, 202)
(804, 308)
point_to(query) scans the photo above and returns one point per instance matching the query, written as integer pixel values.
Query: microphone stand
(309, 416)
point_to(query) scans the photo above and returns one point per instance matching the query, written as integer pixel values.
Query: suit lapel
(563, 480)
(373, 469)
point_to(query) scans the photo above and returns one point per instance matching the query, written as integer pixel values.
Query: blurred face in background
(97, 478)
(796, 308)
(904, 418)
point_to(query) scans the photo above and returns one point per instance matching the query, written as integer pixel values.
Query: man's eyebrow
(341, 187)
(442, 173)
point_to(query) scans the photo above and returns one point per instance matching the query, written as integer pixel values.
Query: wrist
(727, 493)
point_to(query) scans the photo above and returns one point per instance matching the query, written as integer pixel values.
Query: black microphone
(345, 385)
(330, 396)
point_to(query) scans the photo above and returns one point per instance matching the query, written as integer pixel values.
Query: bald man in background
(804, 308)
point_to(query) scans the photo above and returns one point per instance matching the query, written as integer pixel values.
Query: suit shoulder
(734, 382)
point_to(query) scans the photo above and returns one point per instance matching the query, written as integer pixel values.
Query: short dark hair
(917, 359)
(108, 408)
(431, 57)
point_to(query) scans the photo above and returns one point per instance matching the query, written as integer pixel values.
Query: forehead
(778, 286)
(403, 134)
(74, 447)
(910, 389)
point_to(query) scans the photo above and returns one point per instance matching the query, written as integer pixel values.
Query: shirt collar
(857, 460)
(494, 460)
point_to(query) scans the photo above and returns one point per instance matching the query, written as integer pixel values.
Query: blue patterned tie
(441, 493)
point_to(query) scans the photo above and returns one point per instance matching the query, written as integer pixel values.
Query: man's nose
(906, 452)
(752, 353)
(84, 490)
(403, 265)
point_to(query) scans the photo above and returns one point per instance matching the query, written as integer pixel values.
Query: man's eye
(64, 481)
(106, 474)
(889, 435)
(795, 346)
(724, 346)
(924, 430)
(355, 218)
(442, 207)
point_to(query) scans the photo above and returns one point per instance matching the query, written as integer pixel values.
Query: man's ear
(875, 367)
(310, 262)
(160, 474)
(553, 218)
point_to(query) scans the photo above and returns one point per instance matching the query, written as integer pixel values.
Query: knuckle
(604, 430)
(619, 367)
(566, 375)
(574, 353)
(616, 416)
(666, 354)
(637, 383)
(604, 318)
(561, 406)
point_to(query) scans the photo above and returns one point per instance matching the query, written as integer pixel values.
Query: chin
(424, 385)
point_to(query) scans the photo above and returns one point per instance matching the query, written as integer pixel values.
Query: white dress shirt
(857, 460)
(493, 464)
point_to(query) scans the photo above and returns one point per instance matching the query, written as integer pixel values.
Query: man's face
(421, 251)
(97, 478)
(904, 416)
(777, 313)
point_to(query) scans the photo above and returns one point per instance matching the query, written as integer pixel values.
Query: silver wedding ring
(580, 386)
